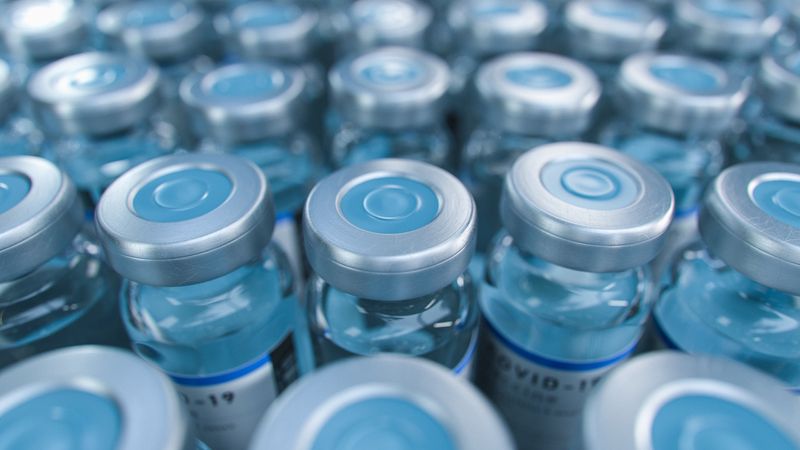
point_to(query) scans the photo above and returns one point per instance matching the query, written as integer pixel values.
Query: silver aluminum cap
(377, 23)
(586, 207)
(8, 91)
(610, 30)
(152, 415)
(778, 84)
(389, 229)
(246, 101)
(161, 30)
(538, 93)
(392, 87)
(740, 28)
(658, 398)
(44, 29)
(185, 219)
(94, 93)
(750, 219)
(490, 27)
(401, 401)
(679, 94)
(40, 214)
(262, 30)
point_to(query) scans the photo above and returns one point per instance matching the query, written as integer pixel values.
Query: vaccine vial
(672, 112)
(567, 289)
(54, 290)
(380, 23)
(18, 133)
(91, 398)
(389, 242)
(668, 400)
(99, 115)
(258, 111)
(389, 103)
(206, 297)
(735, 294)
(526, 100)
(387, 401)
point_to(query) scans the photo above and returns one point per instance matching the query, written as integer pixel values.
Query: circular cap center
(41, 16)
(726, 9)
(385, 14)
(390, 205)
(394, 73)
(90, 79)
(592, 184)
(155, 13)
(249, 83)
(620, 11)
(270, 15)
(780, 199)
(182, 195)
(539, 77)
(488, 10)
(13, 188)
(690, 78)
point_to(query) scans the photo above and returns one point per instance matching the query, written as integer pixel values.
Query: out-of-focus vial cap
(384, 401)
(668, 400)
(778, 84)
(377, 23)
(610, 30)
(735, 28)
(270, 29)
(44, 29)
(392, 87)
(679, 94)
(91, 398)
(489, 27)
(8, 91)
(40, 214)
(185, 219)
(538, 93)
(586, 207)
(160, 30)
(750, 218)
(389, 229)
(245, 101)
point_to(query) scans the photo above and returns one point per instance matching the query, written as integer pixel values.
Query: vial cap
(185, 219)
(8, 90)
(679, 94)
(378, 23)
(245, 101)
(733, 28)
(159, 30)
(586, 207)
(384, 401)
(778, 83)
(389, 229)
(102, 396)
(491, 27)
(40, 214)
(749, 219)
(44, 29)
(392, 87)
(264, 30)
(94, 93)
(658, 398)
(610, 30)
(538, 93)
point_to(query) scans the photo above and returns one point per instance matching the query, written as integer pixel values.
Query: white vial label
(226, 408)
(541, 399)
(464, 368)
(287, 237)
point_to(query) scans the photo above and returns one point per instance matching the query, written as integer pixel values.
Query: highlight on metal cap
(94, 93)
(40, 214)
(778, 83)
(185, 219)
(739, 28)
(668, 400)
(586, 207)
(538, 93)
(389, 229)
(245, 101)
(610, 30)
(375, 23)
(44, 29)
(749, 219)
(392, 87)
(489, 27)
(384, 401)
(679, 94)
(161, 30)
(91, 397)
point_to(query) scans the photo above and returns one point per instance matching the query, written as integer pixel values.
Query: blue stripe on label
(569, 366)
(225, 377)
(284, 216)
(467, 359)
(682, 213)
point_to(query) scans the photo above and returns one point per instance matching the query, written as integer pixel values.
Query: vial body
(767, 137)
(19, 136)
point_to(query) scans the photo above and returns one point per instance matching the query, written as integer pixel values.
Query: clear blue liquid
(708, 308)
(69, 300)
(19, 136)
(212, 327)
(438, 327)
(767, 136)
